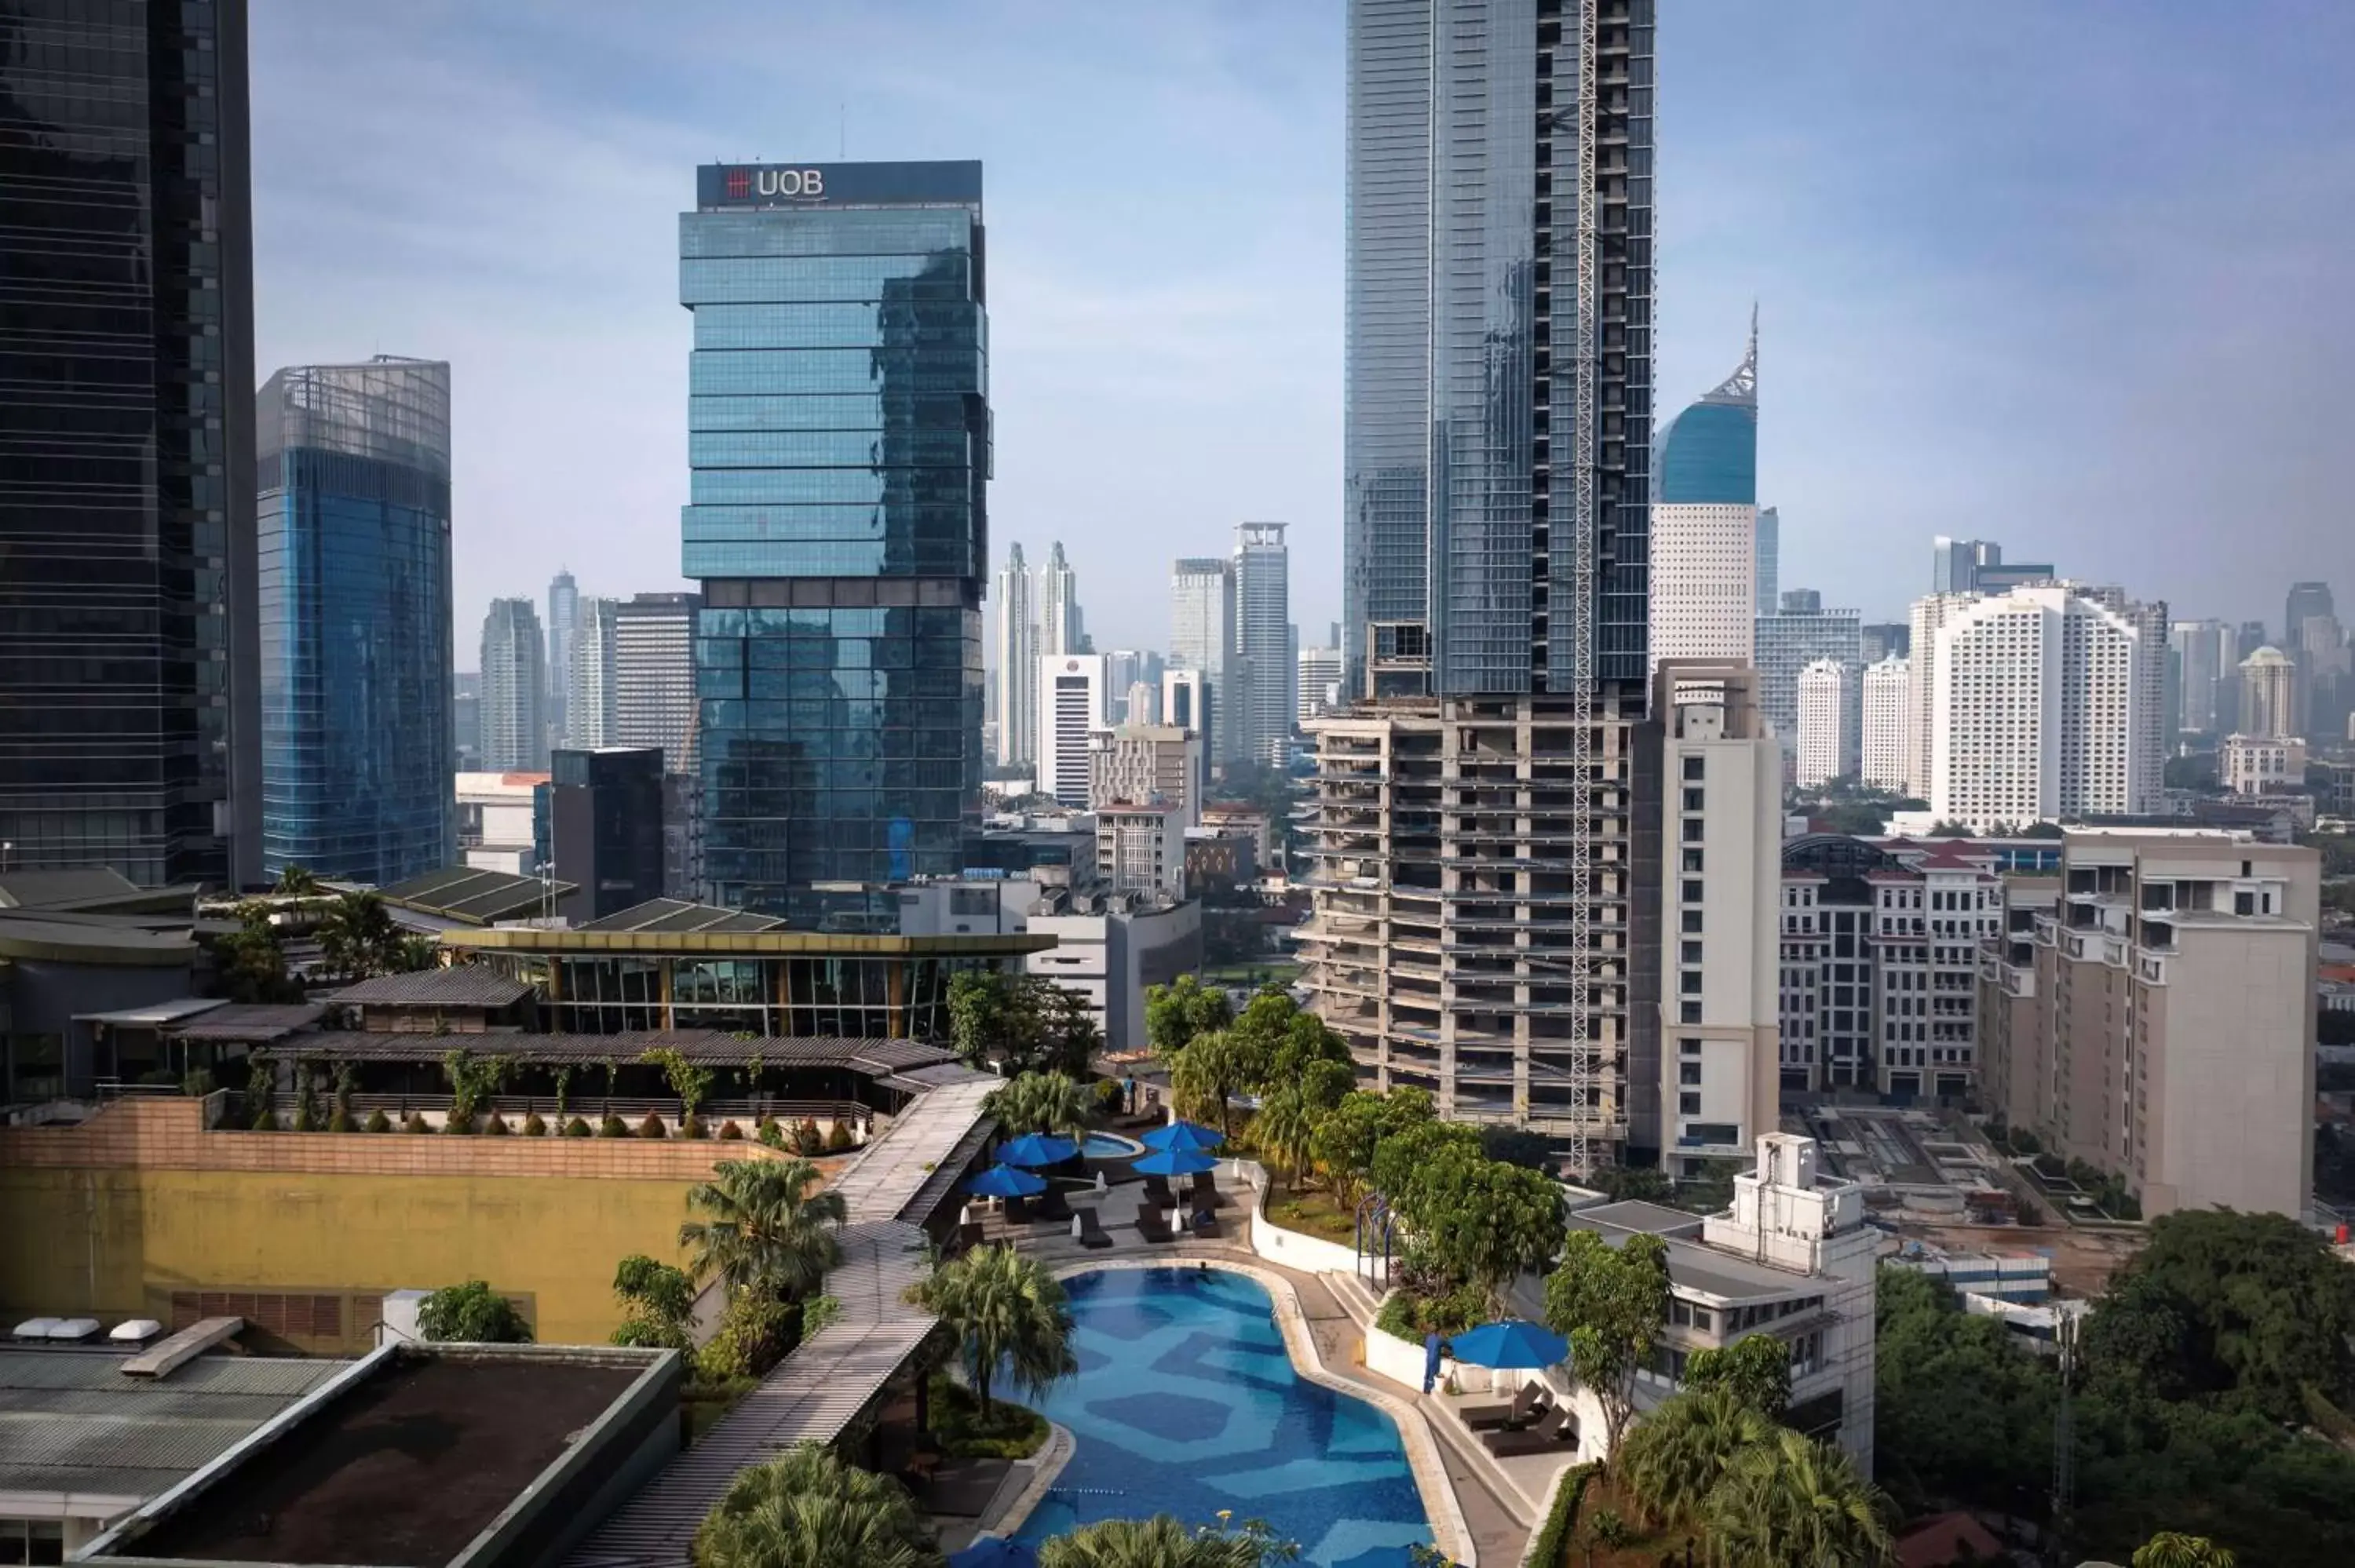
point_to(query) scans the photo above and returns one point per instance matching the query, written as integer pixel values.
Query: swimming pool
(1187, 1403)
(1105, 1146)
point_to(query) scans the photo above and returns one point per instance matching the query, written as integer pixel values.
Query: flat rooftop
(404, 1468)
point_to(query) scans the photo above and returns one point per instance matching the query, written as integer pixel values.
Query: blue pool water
(1185, 1404)
(1104, 1146)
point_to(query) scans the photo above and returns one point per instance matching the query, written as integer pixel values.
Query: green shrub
(415, 1122)
(304, 1120)
(755, 1332)
(1411, 1316)
(461, 1125)
(653, 1127)
(472, 1313)
(1012, 1431)
(575, 1128)
(613, 1127)
(533, 1127)
(839, 1140)
(264, 1120)
(1551, 1542)
(730, 1133)
(807, 1140)
(691, 1125)
(497, 1127)
(378, 1122)
(341, 1119)
(770, 1133)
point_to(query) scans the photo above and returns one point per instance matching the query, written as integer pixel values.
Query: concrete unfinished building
(1440, 949)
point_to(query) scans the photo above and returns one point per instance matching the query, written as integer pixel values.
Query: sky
(2058, 274)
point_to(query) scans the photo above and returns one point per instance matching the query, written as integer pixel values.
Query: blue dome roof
(1709, 457)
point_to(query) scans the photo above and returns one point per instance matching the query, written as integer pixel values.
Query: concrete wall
(114, 1217)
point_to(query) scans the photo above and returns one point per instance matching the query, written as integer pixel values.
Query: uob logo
(789, 182)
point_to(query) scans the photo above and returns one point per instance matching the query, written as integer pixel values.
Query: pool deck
(1326, 1343)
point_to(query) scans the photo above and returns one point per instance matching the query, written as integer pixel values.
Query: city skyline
(1884, 398)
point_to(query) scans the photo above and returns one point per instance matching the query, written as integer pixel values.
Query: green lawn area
(1012, 1431)
(1311, 1214)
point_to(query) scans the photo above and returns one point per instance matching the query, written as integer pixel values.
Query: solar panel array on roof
(467, 892)
(677, 914)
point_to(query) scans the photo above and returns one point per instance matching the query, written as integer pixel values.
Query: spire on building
(1741, 387)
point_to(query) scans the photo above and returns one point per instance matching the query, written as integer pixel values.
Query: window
(1689, 1105)
(1692, 953)
(1692, 921)
(1688, 1011)
(1694, 766)
(1692, 891)
(1688, 1073)
(1692, 800)
(1689, 982)
(1692, 859)
(1692, 830)
(1688, 1047)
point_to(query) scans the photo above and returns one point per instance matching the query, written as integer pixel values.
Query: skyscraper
(1202, 636)
(1060, 628)
(2204, 655)
(515, 689)
(2269, 695)
(1769, 571)
(591, 699)
(1888, 704)
(129, 670)
(1976, 566)
(654, 675)
(1705, 522)
(563, 620)
(353, 511)
(1831, 723)
(1266, 664)
(1017, 662)
(1789, 640)
(1495, 519)
(2307, 601)
(838, 432)
(1074, 708)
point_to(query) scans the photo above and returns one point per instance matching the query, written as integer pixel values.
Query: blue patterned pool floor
(1104, 1146)
(1187, 1403)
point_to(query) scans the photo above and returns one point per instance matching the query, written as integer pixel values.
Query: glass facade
(1464, 348)
(130, 722)
(839, 437)
(1709, 456)
(354, 520)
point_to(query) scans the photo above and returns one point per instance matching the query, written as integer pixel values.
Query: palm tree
(1043, 1102)
(1286, 1130)
(763, 1228)
(809, 1510)
(356, 935)
(1672, 1460)
(1795, 1503)
(2171, 1549)
(296, 882)
(1162, 1543)
(1008, 1312)
(415, 952)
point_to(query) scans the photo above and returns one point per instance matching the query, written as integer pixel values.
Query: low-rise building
(2152, 1012)
(2261, 764)
(1148, 763)
(1141, 848)
(502, 821)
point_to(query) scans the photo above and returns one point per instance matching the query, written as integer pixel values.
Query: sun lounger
(1205, 1191)
(1532, 1402)
(1017, 1211)
(1153, 1225)
(968, 1235)
(1545, 1437)
(1092, 1231)
(1052, 1205)
(1205, 1224)
(1156, 1192)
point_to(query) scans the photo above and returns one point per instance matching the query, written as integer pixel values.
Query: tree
(473, 1080)
(356, 935)
(1611, 1303)
(657, 1302)
(1621, 1183)
(296, 882)
(1022, 1022)
(1043, 1102)
(250, 962)
(1008, 1314)
(765, 1229)
(1960, 1414)
(808, 1508)
(414, 953)
(1177, 1013)
(689, 1082)
(472, 1313)
(1478, 1220)
(1796, 1501)
(1215, 1068)
(1274, 1027)
(1416, 1165)
(1347, 1137)
(2170, 1550)
(1677, 1456)
(1755, 1370)
(1286, 1132)
(1162, 1542)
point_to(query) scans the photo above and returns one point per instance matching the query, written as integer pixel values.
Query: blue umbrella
(994, 1552)
(1037, 1149)
(1187, 1135)
(1511, 1343)
(1173, 1162)
(1005, 1181)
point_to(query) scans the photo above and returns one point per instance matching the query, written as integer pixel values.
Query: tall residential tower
(838, 433)
(1266, 665)
(1017, 663)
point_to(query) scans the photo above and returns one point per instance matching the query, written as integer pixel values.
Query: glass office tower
(838, 435)
(354, 517)
(130, 700)
(1469, 471)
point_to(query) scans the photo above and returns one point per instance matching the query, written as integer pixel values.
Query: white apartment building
(1831, 723)
(1929, 617)
(1721, 773)
(1879, 954)
(1060, 628)
(1017, 663)
(591, 706)
(2261, 765)
(2269, 694)
(654, 675)
(1888, 703)
(1704, 600)
(2047, 702)
(1321, 674)
(1141, 848)
(1074, 708)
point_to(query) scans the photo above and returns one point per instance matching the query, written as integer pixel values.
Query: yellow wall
(143, 1234)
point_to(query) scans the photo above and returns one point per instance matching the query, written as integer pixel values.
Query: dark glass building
(354, 523)
(838, 433)
(130, 694)
(605, 817)
(1485, 429)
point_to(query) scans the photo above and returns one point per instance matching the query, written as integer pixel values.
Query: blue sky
(2073, 276)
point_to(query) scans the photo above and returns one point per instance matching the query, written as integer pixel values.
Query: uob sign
(789, 182)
